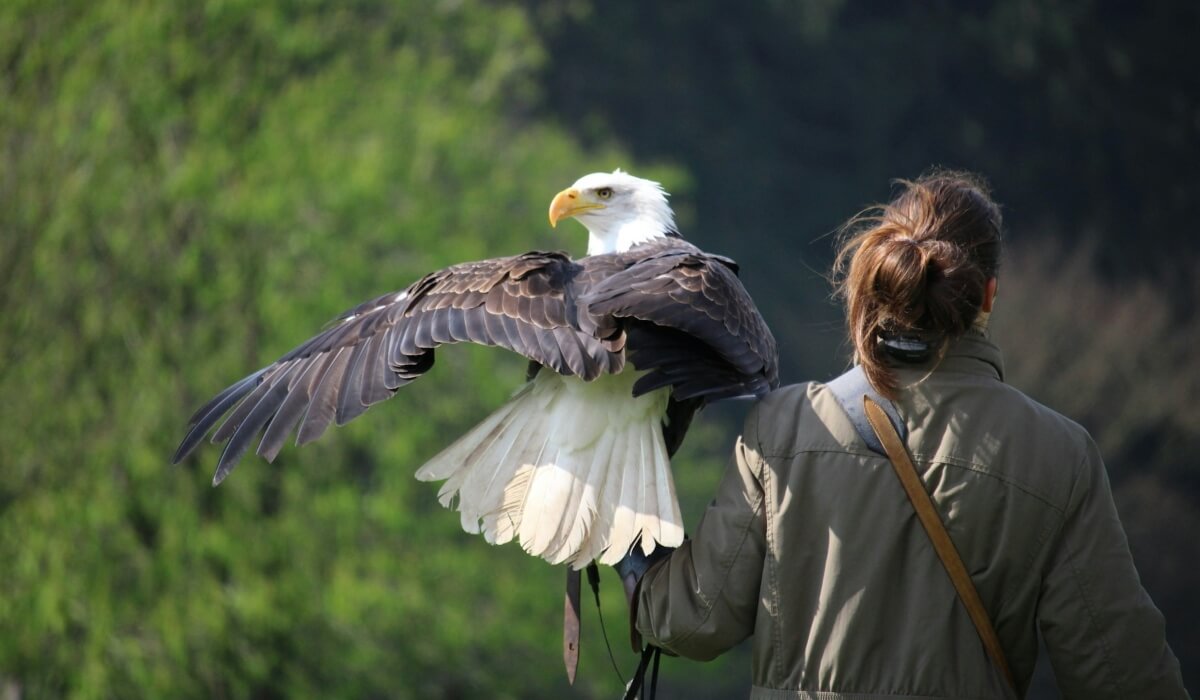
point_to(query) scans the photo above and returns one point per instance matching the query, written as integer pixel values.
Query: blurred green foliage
(189, 190)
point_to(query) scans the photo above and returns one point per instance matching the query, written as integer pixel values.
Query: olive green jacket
(812, 546)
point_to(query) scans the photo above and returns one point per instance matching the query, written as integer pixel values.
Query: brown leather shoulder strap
(905, 469)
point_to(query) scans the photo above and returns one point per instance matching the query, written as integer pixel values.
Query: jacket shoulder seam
(984, 470)
(926, 459)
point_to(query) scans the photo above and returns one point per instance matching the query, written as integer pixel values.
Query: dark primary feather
(682, 314)
(517, 303)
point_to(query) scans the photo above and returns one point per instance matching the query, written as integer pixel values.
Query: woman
(812, 546)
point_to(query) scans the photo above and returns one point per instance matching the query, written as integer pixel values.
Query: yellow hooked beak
(570, 202)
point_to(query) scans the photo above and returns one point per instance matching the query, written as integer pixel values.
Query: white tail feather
(608, 493)
(580, 520)
(576, 470)
(669, 529)
(625, 506)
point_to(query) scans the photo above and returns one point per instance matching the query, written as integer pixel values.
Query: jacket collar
(972, 353)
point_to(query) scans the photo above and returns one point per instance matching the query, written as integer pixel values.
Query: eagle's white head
(618, 210)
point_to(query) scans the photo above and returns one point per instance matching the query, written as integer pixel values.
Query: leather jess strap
(571, 624)
(932, 522)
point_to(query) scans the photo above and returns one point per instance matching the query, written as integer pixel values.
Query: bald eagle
(575, 466)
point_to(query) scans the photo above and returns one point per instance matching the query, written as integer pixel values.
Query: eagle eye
(604, 193)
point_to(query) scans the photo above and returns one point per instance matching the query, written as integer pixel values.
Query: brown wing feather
(519, 303)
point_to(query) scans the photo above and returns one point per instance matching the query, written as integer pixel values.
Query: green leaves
(189, 192)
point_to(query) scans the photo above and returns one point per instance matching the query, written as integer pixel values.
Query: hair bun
(941, 257)
(920, 265)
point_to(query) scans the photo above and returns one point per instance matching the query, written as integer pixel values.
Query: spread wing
(524, 303)
(670, 295)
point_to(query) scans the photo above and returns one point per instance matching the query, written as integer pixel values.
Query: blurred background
(188, 190)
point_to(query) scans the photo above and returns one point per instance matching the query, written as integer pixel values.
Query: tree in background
(792, 116)
(188, 191)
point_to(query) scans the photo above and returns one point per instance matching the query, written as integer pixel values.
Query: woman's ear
(989, 295)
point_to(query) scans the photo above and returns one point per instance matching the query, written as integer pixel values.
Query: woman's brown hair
(917, 266)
